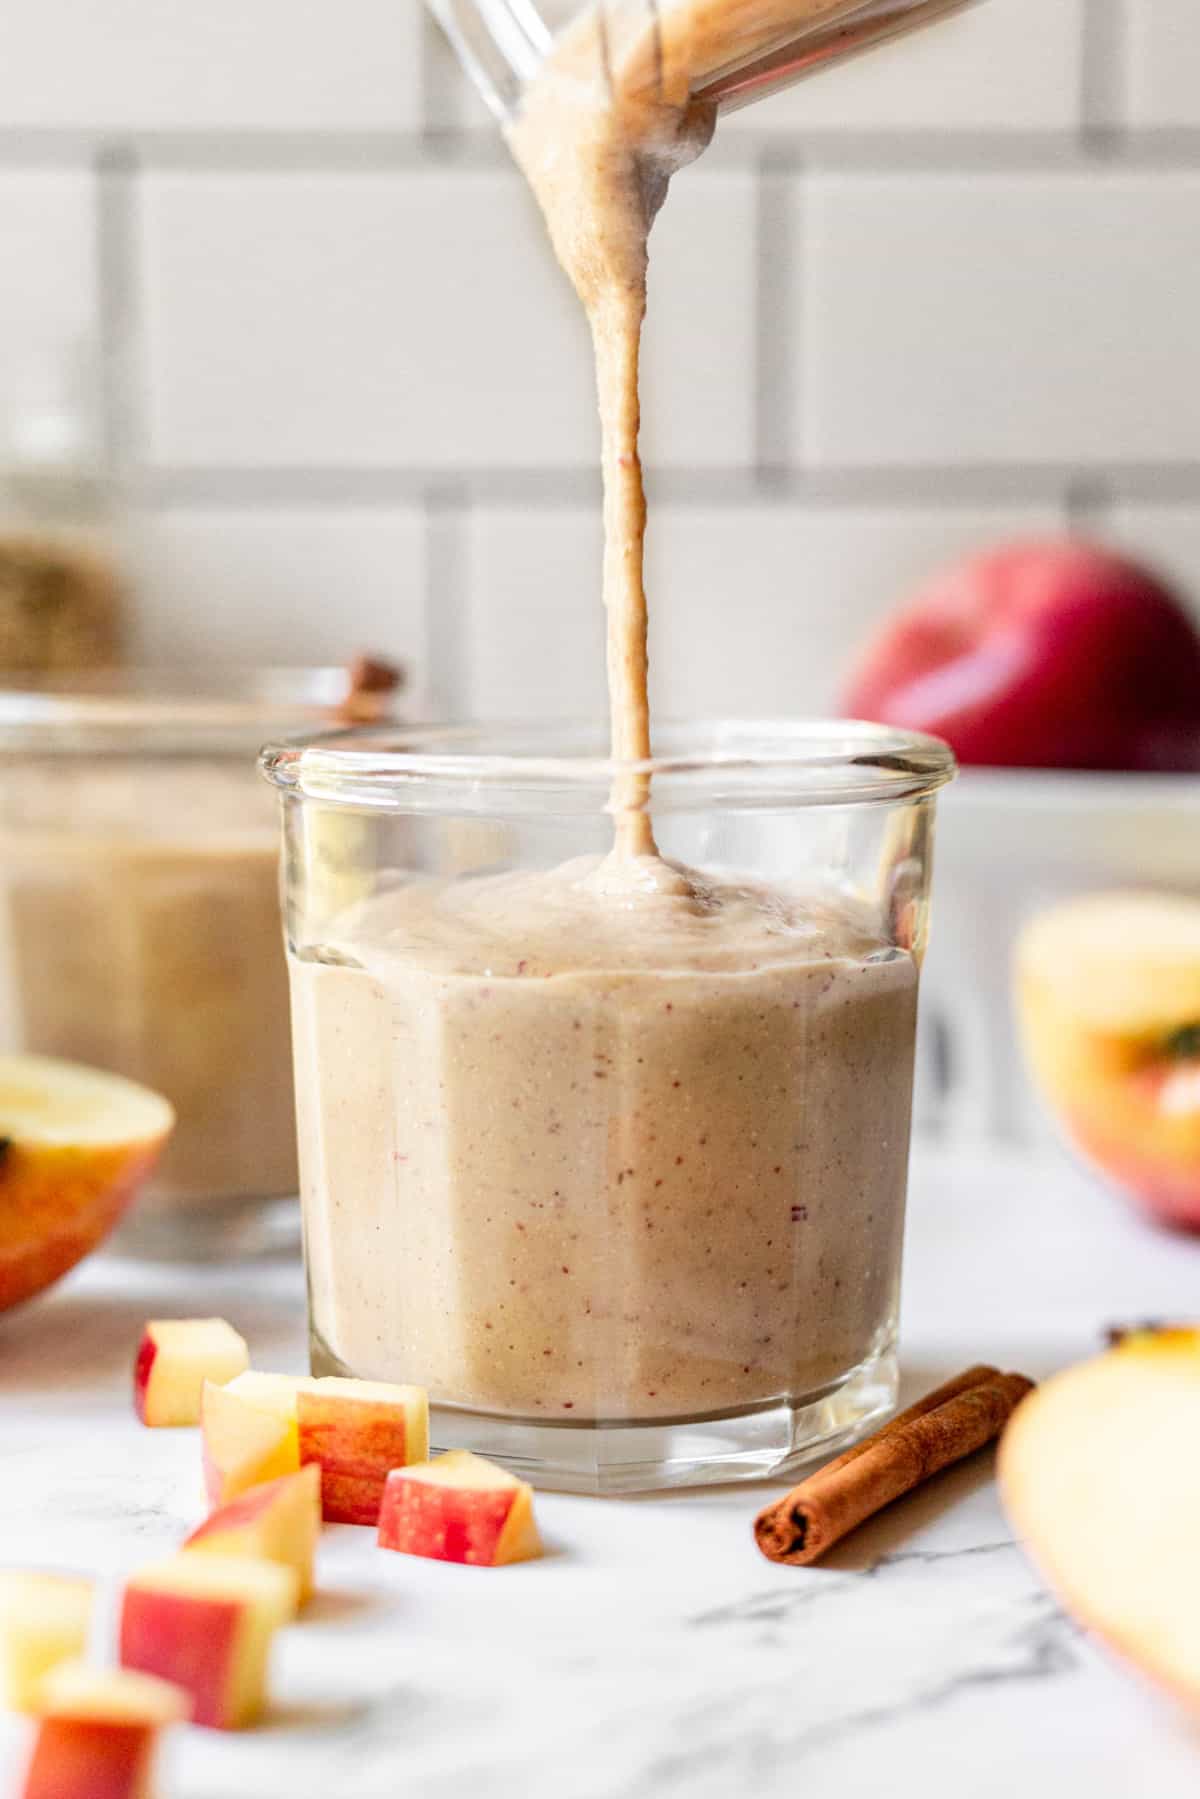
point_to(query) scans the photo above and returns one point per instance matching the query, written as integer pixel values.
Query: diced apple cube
(273, 1393)
(244, 1446)
(44, 1620)
(459, 1508)
(175, 1358)
(206, 1622)
(279, 1522)
(357, 1432)
(98, 1731)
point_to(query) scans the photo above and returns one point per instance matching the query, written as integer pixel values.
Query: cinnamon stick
(370, 682)
(944, 1427)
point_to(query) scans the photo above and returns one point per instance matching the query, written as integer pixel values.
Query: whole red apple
(1041, 655)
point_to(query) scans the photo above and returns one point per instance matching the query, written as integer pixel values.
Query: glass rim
(831, 762)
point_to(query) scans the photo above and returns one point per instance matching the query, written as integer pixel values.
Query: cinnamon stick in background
(370, 684)
(944, 1427)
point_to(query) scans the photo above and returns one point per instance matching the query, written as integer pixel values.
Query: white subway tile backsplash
(531, 642)
(366, 319)
(249, 65)
(1012, 65)
(48, 286)
(999, 318)
(1164, 63)
(755, 609)
(418, 320)
(452, 101)
(761, 609)
(280, 585)
(700, 348)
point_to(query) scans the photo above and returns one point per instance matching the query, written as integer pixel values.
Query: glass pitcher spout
(503, 43)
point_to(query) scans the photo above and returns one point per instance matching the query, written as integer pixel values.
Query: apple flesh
(175, 1357)
(276, 1395)
(1052, 654)
(98, 1733)
(75, 1146)
(279, 1522)
(1100, 1475)
(206, 1623)
(459, 1508)
(1108, 997)
(243, 1445)
(44, 1621)
(355, 1431)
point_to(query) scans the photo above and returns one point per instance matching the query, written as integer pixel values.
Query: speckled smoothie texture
(581, 1153)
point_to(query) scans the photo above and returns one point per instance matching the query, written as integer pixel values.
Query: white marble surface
(653, 1654)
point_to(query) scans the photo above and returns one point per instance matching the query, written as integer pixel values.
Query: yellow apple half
(1108, 992)
(1100, 1475)
(75, 1145)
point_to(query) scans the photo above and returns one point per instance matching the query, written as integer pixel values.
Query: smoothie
(595, 1160)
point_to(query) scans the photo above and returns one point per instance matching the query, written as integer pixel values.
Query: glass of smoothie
(139, 923)
(604, 1078)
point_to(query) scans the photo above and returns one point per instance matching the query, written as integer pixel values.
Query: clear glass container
(611, 1157)
(62, 519)
(732, 56)
(140, 930)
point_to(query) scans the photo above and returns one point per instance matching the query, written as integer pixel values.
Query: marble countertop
(653, 1654)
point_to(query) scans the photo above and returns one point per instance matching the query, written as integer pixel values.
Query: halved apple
(75, 1145)
(243, 1445)
(1100, 1474)
(175, 1357)
(206, 1622)
(279, 1522)
(44, 1620)
(459, 1508)
(98, 1732)
(1108, 991)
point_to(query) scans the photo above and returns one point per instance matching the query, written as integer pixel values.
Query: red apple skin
(445, 1524)
(147, 1351)
(242, 1510)
(184, 1639)
(355, 1458)
(1050, 654)
(86, 1758)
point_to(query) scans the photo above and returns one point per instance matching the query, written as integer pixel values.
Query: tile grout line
(1088, 503)
(1156, 150)
(1104, 80)
(778, 326)
(437, 102)
(115, 171)
(890, 487)
(447, 508)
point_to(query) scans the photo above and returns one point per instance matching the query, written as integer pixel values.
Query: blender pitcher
(765, 45)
